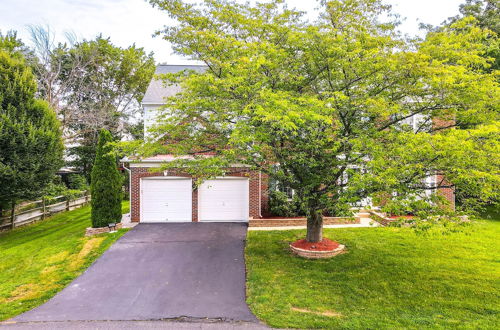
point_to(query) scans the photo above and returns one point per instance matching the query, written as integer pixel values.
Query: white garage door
(166, 200)
(223, 200)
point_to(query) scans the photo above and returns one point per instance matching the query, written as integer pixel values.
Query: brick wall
(446, 192)
(257, 201)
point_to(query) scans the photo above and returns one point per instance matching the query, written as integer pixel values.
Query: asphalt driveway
(157, 272)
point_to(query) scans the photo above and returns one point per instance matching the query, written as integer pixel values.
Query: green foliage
(487, 14)
(30, 138)
(328, 100)
(126, 184)
(409, 205)
(106, 186)
(281, 205)
(77, 182)
(83, 156)
(10, 43)
(55, 187)
(339, 210)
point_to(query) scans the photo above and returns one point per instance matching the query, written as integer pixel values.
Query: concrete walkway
(364, 222)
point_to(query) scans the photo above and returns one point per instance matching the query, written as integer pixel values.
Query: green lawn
(390, 278)
(38, 260)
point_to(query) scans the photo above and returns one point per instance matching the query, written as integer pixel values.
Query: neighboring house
(169, 195)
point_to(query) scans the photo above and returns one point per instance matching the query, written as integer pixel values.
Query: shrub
(106, 184)
(55, 188)
(77, 182)
(279, 205)
(397, 207)
(415, 206)
(339, 210)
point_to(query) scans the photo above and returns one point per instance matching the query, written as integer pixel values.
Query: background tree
(30, 137)
(323, 106)
(106, 184)
(107, 95)
(12, 44)
(487, 14)
(93, 85)
(56, 69)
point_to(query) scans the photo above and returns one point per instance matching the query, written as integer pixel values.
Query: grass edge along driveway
(390, 278)
(39, 260)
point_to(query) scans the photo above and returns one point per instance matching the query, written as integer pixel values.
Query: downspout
(260, 194)
(129, 186)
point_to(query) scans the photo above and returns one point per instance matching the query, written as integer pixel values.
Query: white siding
(151, 113)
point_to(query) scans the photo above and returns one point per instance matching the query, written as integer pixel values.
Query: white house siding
(151, 113)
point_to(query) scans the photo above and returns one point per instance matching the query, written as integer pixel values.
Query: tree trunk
(315, 226)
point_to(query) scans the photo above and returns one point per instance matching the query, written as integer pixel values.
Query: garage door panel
(223, 200)
(166, 200)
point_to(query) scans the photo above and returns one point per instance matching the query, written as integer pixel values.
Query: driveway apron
(159, 271)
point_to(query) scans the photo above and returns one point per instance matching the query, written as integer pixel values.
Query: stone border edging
(96, 231)
(308, 254)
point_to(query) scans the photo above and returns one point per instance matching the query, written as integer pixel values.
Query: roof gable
(157, 90)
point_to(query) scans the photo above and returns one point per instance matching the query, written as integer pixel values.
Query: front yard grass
(390, 278)
(37, 261)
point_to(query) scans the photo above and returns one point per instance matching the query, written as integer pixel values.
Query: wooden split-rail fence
(29, 212)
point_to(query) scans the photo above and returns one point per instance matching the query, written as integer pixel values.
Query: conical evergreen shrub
(106, 184)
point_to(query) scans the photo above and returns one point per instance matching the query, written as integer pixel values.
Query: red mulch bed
(325, 245)
(401, 217)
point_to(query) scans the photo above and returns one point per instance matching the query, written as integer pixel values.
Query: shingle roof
(157, 90)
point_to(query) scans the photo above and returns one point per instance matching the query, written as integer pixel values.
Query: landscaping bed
(389, 278)
(38, 260)
(320, 250)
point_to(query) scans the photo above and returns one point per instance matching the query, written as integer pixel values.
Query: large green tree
(338, 108)
(30, 137)
(106, 187)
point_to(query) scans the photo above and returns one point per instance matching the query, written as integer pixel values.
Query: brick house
(170, 196)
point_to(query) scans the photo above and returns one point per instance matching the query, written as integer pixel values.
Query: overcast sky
(134, 21)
